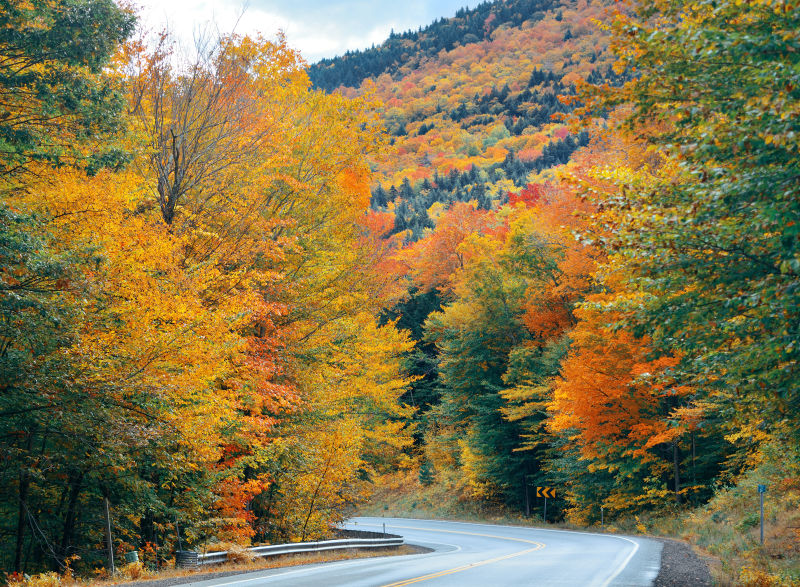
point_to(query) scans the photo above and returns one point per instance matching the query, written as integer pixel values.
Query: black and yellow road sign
(545, 492)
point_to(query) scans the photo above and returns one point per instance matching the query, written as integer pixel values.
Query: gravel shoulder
(681, 566)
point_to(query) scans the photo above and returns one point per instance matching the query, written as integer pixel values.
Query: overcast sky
(318, 28)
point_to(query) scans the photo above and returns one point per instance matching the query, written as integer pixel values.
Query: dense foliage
(52, 92)
(494, 249)
(712, 239)
(189, 340)
(482, 118)
(667, 366)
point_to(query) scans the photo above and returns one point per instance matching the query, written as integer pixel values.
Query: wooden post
(178, 533)
(109, 539)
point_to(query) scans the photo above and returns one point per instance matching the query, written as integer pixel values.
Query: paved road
(484, 555)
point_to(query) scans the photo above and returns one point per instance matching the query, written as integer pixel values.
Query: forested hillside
(409, 50)
(476, 129)
(540, 243)
(477, 117)
(597, 233)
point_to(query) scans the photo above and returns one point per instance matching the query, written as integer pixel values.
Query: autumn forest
(540, 243)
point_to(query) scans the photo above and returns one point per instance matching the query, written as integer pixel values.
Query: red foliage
(531, 195)
(378, 224)
(487, 24)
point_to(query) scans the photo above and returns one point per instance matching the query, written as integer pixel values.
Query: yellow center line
(462, 568)
(538, 546)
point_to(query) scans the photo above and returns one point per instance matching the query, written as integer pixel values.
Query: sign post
(762, 489)
(545, 492)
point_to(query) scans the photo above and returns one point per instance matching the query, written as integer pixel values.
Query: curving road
(485, 555)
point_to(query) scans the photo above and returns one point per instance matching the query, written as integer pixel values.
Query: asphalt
(481, 555)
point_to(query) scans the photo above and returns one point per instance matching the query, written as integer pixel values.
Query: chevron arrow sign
(545, 492)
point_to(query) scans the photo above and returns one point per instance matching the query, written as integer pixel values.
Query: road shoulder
(681, 566)
(274, 563)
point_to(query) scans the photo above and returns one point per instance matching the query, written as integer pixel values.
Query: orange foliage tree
(221, 343)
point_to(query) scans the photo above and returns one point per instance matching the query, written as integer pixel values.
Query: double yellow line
(538, 546)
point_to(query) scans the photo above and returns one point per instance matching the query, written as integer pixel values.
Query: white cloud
(317, 28)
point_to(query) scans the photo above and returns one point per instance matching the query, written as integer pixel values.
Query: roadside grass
(728, 527)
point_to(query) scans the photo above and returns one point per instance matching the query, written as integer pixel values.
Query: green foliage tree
(55, 100)
(423, 393)
(487, 348)
(53, 94)
(427, 474)
(714, 240)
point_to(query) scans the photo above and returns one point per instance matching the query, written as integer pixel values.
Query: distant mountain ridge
(473, 105)
(410, 48)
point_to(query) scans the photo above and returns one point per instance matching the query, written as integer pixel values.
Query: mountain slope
(471, 103)
(409, 49)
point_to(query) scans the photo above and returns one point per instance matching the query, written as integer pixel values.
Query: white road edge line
(327, 566)
(506, 526)
(607, 582)
(624, 563)
(268, 577)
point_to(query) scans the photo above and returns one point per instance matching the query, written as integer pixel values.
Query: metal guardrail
(275, 549)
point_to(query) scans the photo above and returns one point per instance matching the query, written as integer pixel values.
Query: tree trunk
(75, 485)
(147, 529)
(676, 471)
(316, 492)
(109, 536)
(265, 512)
(24, 483)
